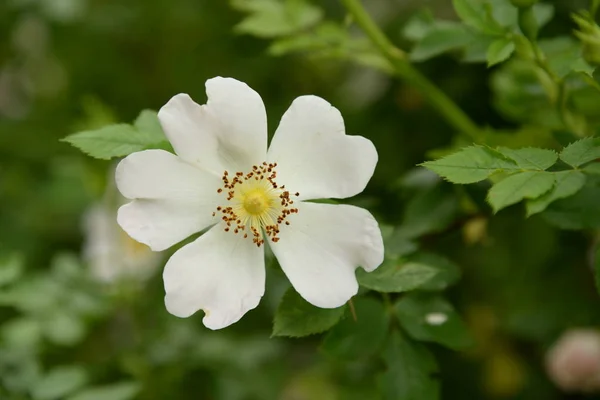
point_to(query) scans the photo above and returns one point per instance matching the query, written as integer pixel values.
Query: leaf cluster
(534, 175)
(488, 32)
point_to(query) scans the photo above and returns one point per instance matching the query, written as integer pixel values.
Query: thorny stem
(404, 70)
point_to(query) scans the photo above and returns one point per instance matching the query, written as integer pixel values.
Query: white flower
(573, 362)
(110, 253)
(224, 176)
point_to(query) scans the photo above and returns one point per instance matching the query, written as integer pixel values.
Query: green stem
(559, 93)
(403, 69)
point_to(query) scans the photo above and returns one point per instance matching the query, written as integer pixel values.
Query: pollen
(254, 205)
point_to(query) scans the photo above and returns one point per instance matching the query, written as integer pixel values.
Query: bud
(523, 3)
(573, 363)
(589, 35)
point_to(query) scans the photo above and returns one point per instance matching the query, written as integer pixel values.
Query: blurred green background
(73, 65)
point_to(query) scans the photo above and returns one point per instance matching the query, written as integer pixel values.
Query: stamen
(258, 205)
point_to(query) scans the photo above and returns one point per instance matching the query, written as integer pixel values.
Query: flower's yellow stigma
(256, 204)
(256, 201)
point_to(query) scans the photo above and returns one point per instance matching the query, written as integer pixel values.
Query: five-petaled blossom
(223, 177)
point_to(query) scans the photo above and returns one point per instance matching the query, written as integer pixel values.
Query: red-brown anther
(243, 216)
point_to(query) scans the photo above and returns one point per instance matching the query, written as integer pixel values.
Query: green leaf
(543, 13)
(519, 186)
(581, 152)
(471, 164)
(112, 141)
(117, 391)
(476, 50)
(474, 14)
(37, 295)
(66, 266)
(531, 157)
(395, 276)
(502, 11)
(430, 210)
(24, 332)
(593, 168)
(64, 328)
(396, 244)
(581, 211)
(323, 37)
(433, 319)
(418, 25)
(507, 14)
(439, 40)
(148, 122)
(499, 51)
(19, 371)
(295, 317)
(448, 273)
(567, 183)
(11, 269)
(410, 370)
(564, 55)
(59, 382)
(329, 40)
(273, 18)
(351, 339)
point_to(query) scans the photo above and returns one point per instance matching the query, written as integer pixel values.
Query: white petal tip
(178, 104)
(328, 301)
(176, 309)
(128, 220)
(313, 100)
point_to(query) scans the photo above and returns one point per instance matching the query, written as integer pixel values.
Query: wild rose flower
(110, 253)
(573, 362)
(223, 177)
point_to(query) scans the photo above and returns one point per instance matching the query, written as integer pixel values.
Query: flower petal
(229, 132)
(172, 199)
(221, 273)
(314, 155)
(322, 247)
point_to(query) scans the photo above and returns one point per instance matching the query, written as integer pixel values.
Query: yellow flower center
(256, 201)
(256, 204)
